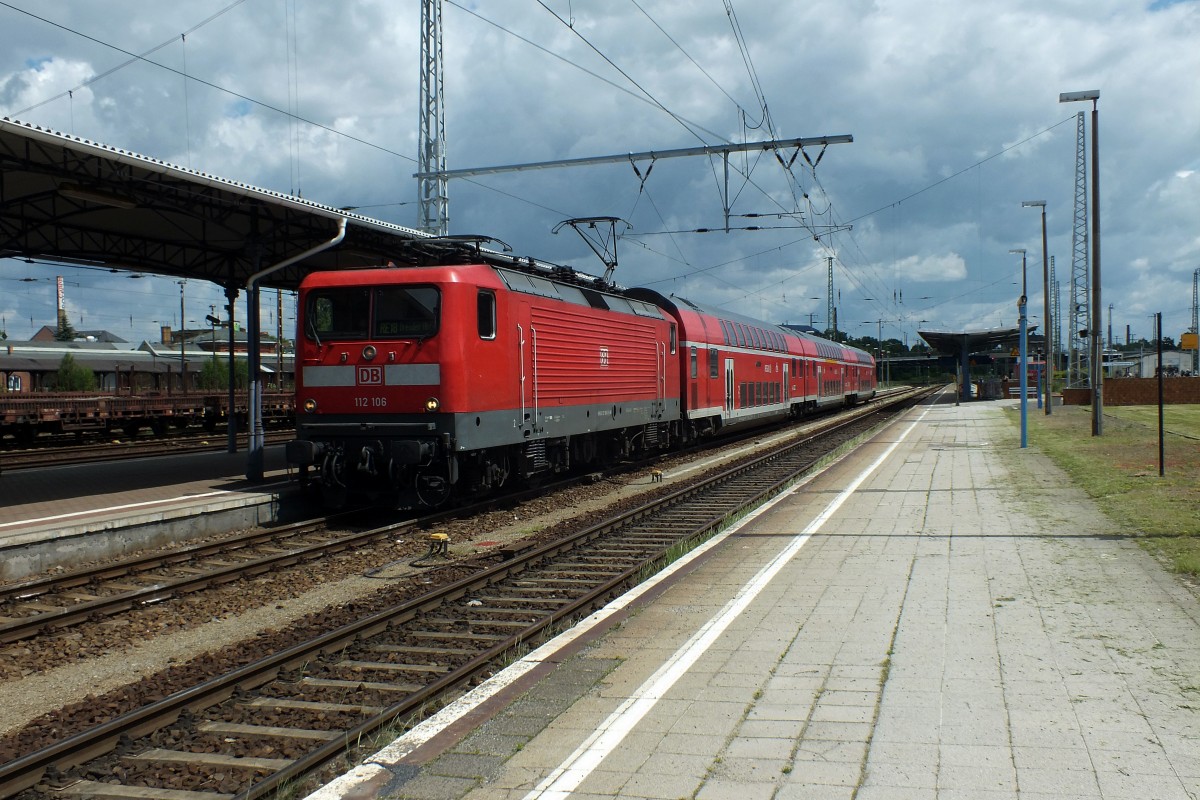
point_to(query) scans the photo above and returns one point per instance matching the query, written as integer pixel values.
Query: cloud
(920, 204)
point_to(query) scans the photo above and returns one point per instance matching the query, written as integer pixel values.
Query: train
(426, 385)
(24, 416)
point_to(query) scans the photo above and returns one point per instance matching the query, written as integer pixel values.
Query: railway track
(58, 456)
(33, 608)
(51, 603)
(265, 723)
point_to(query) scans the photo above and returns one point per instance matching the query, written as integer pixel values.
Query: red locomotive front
(428, 382)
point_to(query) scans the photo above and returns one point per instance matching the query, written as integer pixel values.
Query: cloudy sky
(953, 107)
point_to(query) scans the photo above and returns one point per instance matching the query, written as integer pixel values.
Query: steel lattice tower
(830, 318)
(431, 143)
(1055, 348)
(1081, 282)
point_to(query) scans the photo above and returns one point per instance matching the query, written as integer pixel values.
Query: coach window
(695, 364)
(713, 362)
(741, 338)
(486, 312)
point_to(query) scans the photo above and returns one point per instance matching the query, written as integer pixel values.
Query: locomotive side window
(673, 340)
(404, 311)
(486, 311)
(338, 313)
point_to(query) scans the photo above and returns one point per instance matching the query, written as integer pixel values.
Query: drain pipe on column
(254, 456)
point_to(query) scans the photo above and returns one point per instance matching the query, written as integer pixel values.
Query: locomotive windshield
(402, 311)
(386, 312)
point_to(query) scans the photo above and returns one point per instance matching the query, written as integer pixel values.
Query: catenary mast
(1080, 276)
(431, 143)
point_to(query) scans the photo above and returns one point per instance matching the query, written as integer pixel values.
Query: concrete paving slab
(945, 616)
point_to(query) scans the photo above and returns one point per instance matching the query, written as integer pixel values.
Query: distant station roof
(75, 201)
(953, 342)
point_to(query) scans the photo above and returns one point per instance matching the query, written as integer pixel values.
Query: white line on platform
(379, 766)
(567, 777)
(128, 506)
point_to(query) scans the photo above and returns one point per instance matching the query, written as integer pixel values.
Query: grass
(1119, 469)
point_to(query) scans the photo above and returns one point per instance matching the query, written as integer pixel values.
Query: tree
(65, 332)
(215, 374)
(73, 377)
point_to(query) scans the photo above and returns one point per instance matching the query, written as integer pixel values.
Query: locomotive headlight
(432, 404)
(310, 406)
(368, 352)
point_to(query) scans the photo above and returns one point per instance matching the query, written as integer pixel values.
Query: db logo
(370, 376)
(603, 356)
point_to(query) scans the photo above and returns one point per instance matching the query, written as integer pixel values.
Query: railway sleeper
(490, 623)
(106, 791)
(389, 666)
(266, 731)
(467, 636)
(315, 706)
(531, 601)
(161, 756)
(420, 650)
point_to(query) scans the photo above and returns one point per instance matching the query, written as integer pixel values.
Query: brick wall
(1138, 392)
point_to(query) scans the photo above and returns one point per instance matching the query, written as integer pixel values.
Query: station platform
(62, 516)
(938, 615)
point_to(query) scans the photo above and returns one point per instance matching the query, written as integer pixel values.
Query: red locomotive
(427, 384)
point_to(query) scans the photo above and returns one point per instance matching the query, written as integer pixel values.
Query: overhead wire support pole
(432, 191)
(725, 197)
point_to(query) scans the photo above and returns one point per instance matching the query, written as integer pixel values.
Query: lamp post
(878, 347)
(1048, 332)
(182, 338)
(1024, 354)
(1097, 349)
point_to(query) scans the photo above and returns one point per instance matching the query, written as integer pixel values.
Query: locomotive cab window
(338, 314)
(406, 312)
(486, 311)
(358, 312)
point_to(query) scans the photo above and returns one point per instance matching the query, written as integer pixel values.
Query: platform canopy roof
(74, 201)
(954, 342)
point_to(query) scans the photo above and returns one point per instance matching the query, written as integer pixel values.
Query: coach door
(730, 387)
(787, 388)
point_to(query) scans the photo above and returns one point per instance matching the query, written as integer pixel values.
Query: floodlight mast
(1047, 322)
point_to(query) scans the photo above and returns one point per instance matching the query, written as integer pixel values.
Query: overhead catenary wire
(135, 57)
